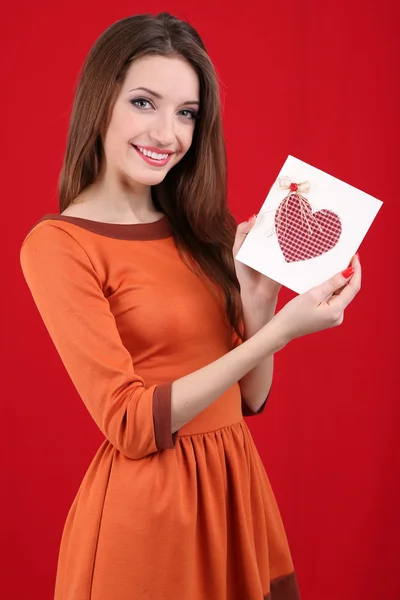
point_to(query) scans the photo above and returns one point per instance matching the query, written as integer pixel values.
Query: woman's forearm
(256, 384)
(193, 393)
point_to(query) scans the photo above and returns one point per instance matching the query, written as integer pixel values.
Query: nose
(163, 131)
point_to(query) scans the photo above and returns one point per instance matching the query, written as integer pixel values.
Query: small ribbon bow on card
(285, 184)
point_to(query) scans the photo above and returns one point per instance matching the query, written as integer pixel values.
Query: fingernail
(251, 218)
(348, 272)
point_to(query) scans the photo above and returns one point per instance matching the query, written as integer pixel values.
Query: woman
(168, 340)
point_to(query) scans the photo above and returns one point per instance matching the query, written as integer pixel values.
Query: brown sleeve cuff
(162, 417)
(248, 412)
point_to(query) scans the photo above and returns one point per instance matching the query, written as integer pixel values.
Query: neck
(122, 201)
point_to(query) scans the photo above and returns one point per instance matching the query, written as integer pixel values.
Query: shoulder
(51, 242)
(46, 230)
(51, 257)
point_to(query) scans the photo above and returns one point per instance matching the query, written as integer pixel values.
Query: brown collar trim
(157, 230)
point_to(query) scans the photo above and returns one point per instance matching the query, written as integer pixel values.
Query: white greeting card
(308, 228)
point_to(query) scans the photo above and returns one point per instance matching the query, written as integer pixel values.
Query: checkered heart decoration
(301, 233)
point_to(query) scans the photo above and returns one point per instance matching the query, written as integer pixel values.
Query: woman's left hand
(253, 284)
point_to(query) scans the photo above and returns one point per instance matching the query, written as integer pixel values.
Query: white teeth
(153, 155)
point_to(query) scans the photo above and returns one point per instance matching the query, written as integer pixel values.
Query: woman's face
(153, 120)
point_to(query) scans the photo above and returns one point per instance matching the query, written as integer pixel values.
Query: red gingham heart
(303, 235)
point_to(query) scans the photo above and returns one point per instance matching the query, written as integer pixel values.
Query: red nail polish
(348, 272)
(248, 220)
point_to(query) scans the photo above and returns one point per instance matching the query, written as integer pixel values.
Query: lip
(153, 161)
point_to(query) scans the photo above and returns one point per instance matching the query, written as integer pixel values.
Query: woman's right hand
(320, 308)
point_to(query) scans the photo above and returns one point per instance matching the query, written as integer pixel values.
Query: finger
(337, 292)
(241, 233)
(336, 284)
(325, 290)
(351, 289)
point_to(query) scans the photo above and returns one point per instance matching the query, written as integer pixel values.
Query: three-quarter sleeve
(246, 410)
(68, 293)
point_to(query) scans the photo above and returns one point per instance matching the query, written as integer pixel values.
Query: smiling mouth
(153, 155)
(155, 159)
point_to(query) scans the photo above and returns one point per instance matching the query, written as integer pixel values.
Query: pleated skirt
(196, 522)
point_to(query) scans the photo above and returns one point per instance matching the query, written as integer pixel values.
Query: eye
(188, 113)
(139, 102)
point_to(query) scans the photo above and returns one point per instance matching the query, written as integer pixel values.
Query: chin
(149, 178)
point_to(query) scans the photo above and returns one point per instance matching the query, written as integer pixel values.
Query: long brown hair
(193, 195)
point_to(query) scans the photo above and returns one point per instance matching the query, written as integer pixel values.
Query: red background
(317, 80)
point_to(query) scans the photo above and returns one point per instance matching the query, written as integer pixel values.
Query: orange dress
(189, 516)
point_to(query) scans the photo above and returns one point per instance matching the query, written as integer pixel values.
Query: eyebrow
(157, 95)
